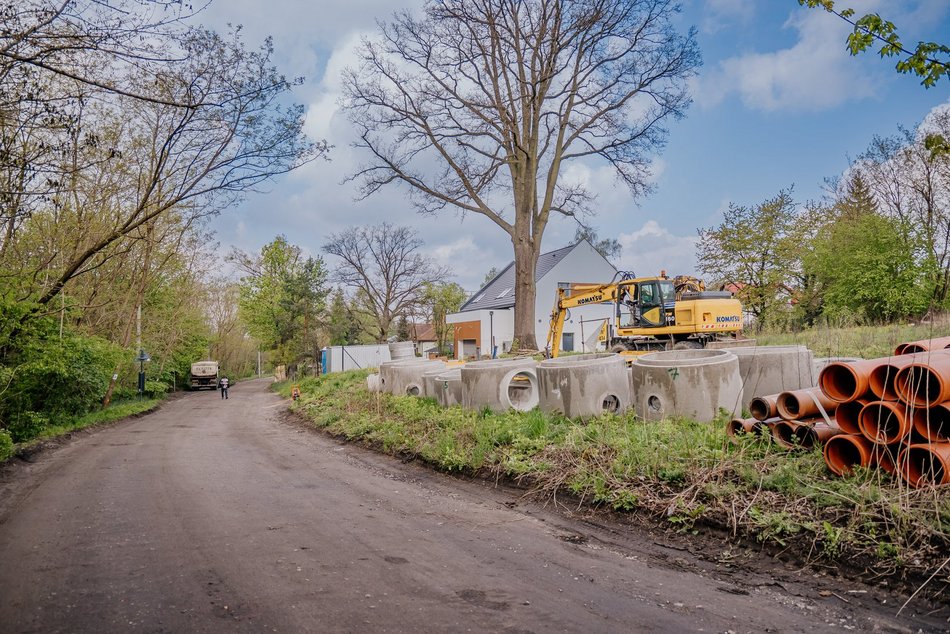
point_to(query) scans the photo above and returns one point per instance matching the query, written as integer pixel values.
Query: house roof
(423, 332)
(499, 292)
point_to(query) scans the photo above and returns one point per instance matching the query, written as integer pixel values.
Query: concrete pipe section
(408, 378)
(584, 385)
(388, 374)
(690, 383)
(402, 350)
(500, 384)
(429, 380)
(372, 383)
(767, 370)
(448, 387)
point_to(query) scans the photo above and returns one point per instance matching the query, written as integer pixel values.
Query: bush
(155, 389)
(6, 445)
(54, 378)
(26, 425)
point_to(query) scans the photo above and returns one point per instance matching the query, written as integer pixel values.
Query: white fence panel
(340, 358)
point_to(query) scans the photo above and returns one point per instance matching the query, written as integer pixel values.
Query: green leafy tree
(403, 331)
(439, 300)
(344, 323)
(281, 298)
(871, 271)
(929, 60)
(757, 250)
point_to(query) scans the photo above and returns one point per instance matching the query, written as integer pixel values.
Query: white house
(487, 318)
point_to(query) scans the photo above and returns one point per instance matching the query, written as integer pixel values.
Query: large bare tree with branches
(382, 265)
(479, 104)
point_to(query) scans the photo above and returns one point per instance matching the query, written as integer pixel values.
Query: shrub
(6, 445)
(26, 425)
(155, 389)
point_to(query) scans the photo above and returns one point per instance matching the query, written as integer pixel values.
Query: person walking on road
(224, 386)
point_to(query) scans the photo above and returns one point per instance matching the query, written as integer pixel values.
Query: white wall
(583, 264)
(499, 322)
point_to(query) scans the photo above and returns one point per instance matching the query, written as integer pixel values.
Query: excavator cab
(646, 304)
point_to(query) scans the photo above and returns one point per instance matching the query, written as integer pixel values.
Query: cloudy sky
(778, 103)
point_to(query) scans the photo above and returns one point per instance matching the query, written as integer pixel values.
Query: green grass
(115, 411)
(679, 471)
(867, 342)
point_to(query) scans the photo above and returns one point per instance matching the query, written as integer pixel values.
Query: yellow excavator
(652, 313)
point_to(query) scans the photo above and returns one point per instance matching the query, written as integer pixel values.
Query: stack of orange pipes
(794, 419)
(891, 413)
(894, 413)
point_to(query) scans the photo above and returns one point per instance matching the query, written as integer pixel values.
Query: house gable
(499, 292)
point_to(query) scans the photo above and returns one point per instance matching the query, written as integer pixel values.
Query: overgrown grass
(867, 342)
(684, 473)
(115, 411)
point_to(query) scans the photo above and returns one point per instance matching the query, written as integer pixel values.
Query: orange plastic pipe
(933, 423)
(764, 407)
(845, 381)
(925, 463)
(739, 426)
(846, 451)
(810, 436)
(784, 432)
(885, 422)
(923, 345)
(848, 416)
(881, 378)
(801, 403)
(925, 384)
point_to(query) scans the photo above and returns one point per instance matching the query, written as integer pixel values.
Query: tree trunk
(526, 261)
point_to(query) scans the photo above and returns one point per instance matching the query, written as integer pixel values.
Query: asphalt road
(212, 515)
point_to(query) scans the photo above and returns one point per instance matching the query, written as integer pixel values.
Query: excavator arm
(575, 295)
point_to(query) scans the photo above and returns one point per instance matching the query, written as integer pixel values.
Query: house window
(503, 293)
(478, 298)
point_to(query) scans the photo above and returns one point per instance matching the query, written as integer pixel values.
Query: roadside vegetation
(865, 342)
(683, 474)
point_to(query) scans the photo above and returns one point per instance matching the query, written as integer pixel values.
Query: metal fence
(340, 358)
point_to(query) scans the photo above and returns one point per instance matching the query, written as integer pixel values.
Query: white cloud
(815, 73)
(719, 13)
(653, 248)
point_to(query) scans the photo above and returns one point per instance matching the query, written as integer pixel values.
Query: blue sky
(779, 102)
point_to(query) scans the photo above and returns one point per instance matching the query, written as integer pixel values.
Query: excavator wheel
(620, 347)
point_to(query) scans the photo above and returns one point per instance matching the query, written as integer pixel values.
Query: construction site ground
(211, 514)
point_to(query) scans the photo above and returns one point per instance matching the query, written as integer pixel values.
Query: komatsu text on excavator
(652, 313)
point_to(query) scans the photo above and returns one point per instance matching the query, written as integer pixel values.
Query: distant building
(424, 337)
(487, 318)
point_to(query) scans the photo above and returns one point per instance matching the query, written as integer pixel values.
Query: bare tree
(480, 103)
(143, 159)
(382, 264)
